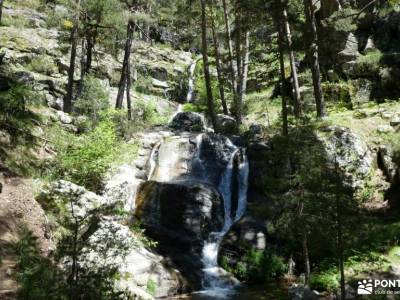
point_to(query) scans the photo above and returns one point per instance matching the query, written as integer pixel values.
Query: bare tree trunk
(243, 77)
(210, 101)
(285, 129)
(313, 51)
(218, 64)
(295, 82)
(306, 257)
(67, 107)
(127, 56)
(230, 47)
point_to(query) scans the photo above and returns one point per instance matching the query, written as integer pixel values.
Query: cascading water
(153, 160)
(190, 94)
(216, 281)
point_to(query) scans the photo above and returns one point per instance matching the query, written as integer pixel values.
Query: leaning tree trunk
(295, 81)
(218, 65)
(282, 78)
(243, 77)
(230, 47)
(210, 101)
(313, 53)
(67, 107)
(126, 62)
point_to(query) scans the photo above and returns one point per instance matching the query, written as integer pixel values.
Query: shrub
(87, 158)
(325, 281)
(43, 65)
(94, 98)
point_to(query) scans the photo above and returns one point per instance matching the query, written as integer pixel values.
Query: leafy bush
(43, 65)
(369, 63)
(87, 158)
(256, 266)
(144, 85)
(94, 98)
(325, 281)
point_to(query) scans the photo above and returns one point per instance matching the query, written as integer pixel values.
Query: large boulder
(121, 186)
(114, 247)
(187, 121)
(226, 124)
(349, 152)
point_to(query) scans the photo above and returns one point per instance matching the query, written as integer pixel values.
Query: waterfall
(153, 160)
(190, 94)
(216, 281)
(243, 186)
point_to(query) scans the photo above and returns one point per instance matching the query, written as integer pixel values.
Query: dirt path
(17, 207)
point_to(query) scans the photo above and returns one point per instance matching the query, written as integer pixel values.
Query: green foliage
(86, 158)
(194, 107)
(43, 64)
(94, 98)
(151, 287)
(369, 63)
(144, 85)
(256, 266)
(325, 281)
(140, 234)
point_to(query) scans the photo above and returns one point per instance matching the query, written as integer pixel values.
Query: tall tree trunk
(239, 63)
(230, 47)
(313, 54)
(128, 91)
(1, 11)
(83, 67)
(218, 64)
(306, 257)
(295, 82)
(127, 56)
(285, 129)
(210, 101)
(67, 107)
(90, 41)
(339, 226)
(243, 76)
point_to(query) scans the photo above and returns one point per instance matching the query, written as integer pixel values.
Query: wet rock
(226, 124)
(187, 121)
(182, 212)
